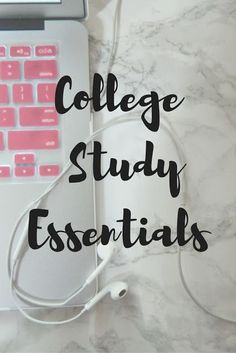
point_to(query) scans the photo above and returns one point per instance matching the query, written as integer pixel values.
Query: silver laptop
(41, 41)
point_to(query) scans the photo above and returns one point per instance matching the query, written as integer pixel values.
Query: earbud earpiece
(117, 291)
(105, 251)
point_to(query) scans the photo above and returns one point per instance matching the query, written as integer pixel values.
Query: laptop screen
(30, 1)
(43, 9)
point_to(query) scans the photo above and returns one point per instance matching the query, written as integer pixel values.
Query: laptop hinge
(21, 24)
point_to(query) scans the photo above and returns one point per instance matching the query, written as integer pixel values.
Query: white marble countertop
(185, 47)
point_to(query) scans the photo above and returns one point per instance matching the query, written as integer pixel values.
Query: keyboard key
(24, 171)
(2, 51)
(49, 170)
(5, 172)
(37, 116)
(7, 117)
(33, 140)
(46, 92)
(3, 94)
(9, 70)
(40, 69)
(23, 158)
(1, 141)
(23, 93)
(46, 50)
(20, 51)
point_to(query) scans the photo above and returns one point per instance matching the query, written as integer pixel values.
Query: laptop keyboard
(29, 124)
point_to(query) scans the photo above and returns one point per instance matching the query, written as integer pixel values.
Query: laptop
(41, 41)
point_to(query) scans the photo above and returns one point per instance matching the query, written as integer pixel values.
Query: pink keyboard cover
(29, 124)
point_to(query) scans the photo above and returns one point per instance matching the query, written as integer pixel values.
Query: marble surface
(185, 47)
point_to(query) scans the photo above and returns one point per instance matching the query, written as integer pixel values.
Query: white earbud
(117, 291)
(105, 253)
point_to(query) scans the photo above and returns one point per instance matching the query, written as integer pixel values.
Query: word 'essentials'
(73, 239)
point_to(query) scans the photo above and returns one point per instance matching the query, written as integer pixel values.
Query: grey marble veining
(186, 47)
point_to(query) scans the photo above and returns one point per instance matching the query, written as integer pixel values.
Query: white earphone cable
(13, 258)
